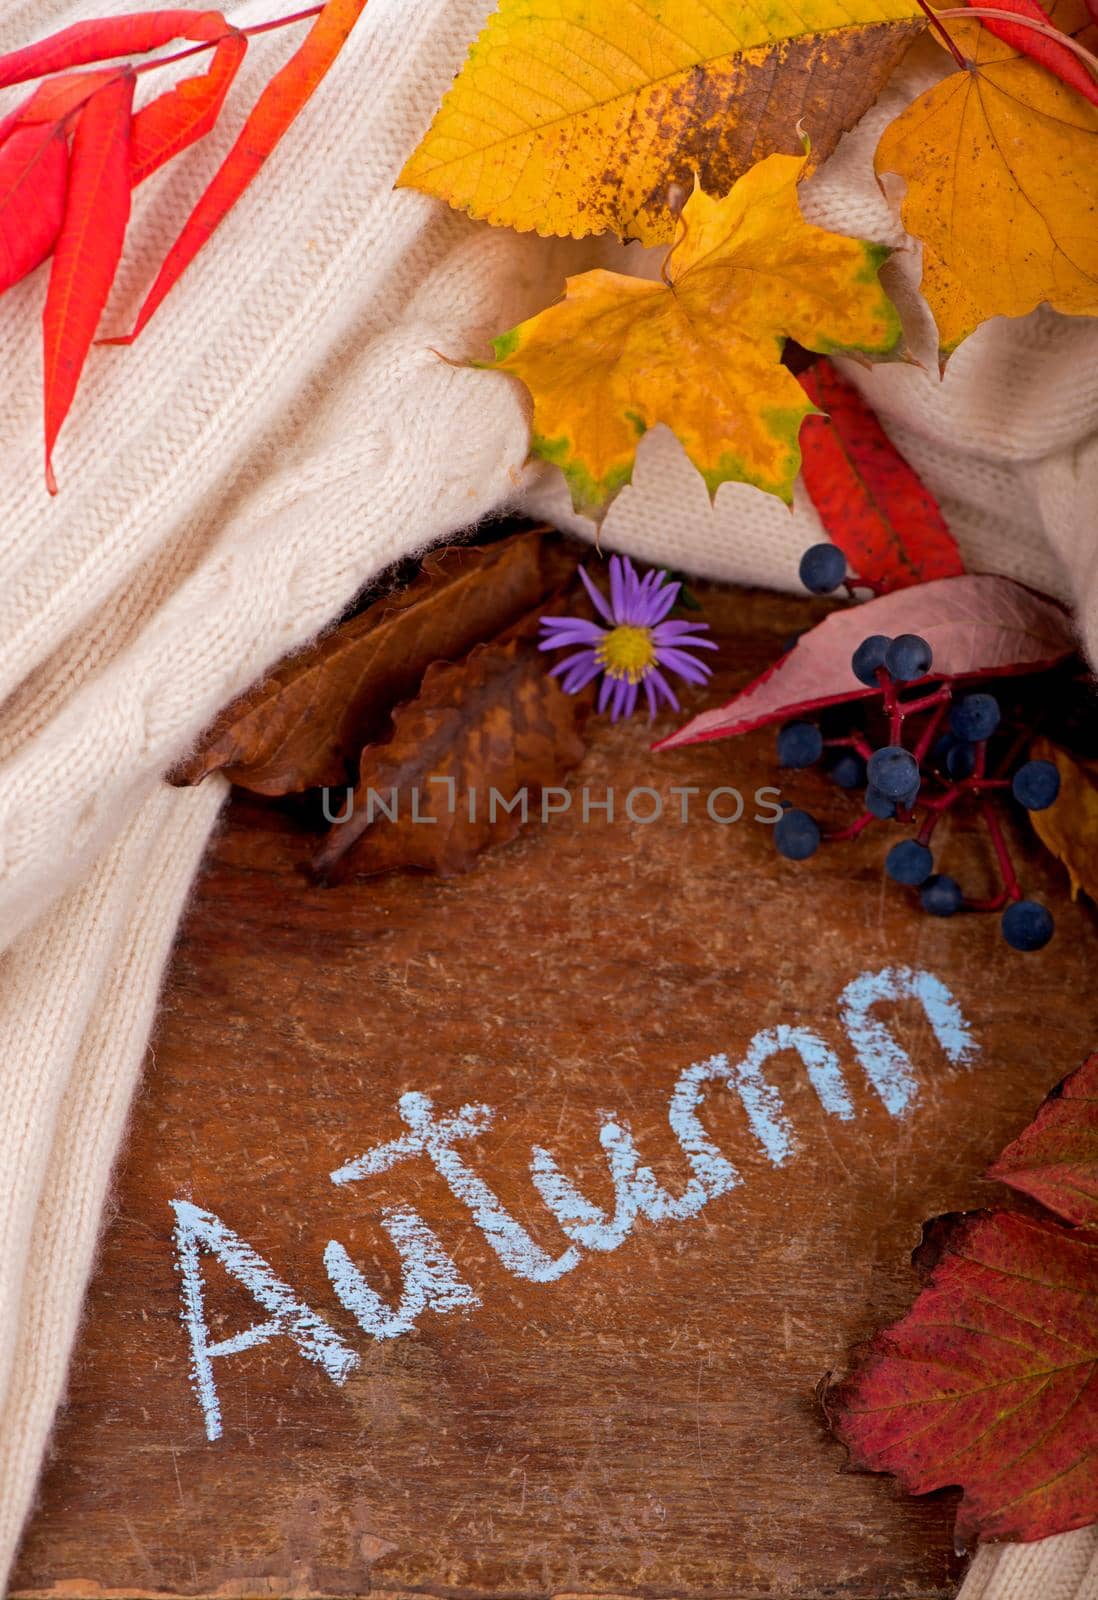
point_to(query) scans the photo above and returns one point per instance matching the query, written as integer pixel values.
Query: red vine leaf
(88, 247)
(872, 504)
(75, 202)
(180, 117)
(104, 39)
(278, 105)
(991, 1380)
(977, 625)
(57, 98)
(1055, 1160)
(34, 167)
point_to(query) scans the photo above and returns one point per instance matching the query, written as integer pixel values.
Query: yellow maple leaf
(1001, 166)
(700, 350)
(577, 116)
(1069, 827)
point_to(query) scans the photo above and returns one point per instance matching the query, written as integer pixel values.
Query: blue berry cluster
(951, 759)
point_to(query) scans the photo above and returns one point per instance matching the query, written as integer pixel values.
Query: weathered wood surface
(645, 1425)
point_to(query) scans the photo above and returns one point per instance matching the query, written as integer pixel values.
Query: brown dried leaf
(1069, 827)
(495, 722)
(302, 726)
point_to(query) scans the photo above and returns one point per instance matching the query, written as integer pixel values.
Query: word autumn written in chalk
(431, 1280)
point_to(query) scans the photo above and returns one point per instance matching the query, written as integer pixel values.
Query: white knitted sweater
(280, 433)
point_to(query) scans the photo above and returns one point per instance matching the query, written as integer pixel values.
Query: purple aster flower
(634, 645)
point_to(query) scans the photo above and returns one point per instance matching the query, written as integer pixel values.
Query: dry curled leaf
(977, 625)
(303, 725)
(577, 116)
(990, 1382)
(700, 350)
(1001, 167)
(481, 732)
(1069, 827)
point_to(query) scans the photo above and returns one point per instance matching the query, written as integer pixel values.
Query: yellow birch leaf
(1001, 167)
(1069, 827)
(577, 116)
(701, 349)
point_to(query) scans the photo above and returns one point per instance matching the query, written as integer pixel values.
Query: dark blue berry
(961, 760)
(790, 640)
(941, 895)
(1027, 925)
(941, 747)
(823, 568)
(879, 804)
(1036, 785)
(869, 658)
(800, 744)
(847, 769)
(909, 862)
(797, 835)
(894, 771)
(975, 716)
(908, 657)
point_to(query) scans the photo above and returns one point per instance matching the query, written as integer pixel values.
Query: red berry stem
(852, 830)
(996, 902)
(211, 44)
(944, 34)
(855, 741)
(1011, 888)
(926, 738)
(898, 710)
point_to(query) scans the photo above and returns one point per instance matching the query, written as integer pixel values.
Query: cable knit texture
(280, 433)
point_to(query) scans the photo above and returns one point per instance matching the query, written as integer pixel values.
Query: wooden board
(644, 1424)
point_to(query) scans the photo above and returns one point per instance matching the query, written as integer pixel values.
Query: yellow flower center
(627, 652)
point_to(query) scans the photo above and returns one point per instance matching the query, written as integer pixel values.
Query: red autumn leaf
(977, 625)
(873, 505)
(34, 166)
(102, 40)
(1053, 56)
(88, 247)
(1055, 1160)
(58, 98)
(991, 1380)
(183, 115)
(278, 105)
(77, 203)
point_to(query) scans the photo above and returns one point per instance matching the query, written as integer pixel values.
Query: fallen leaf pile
(587, 116)
(990, 1382)
(441, 680)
